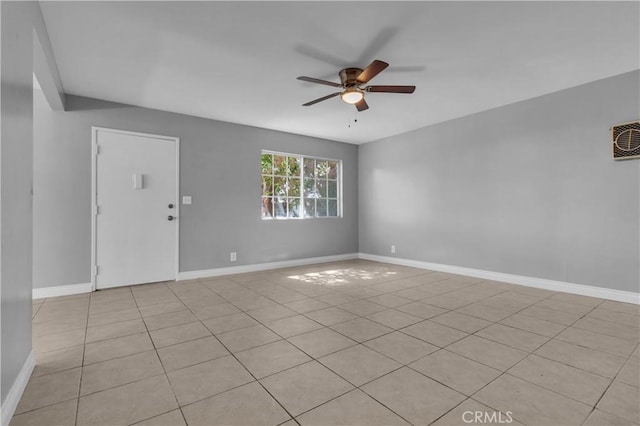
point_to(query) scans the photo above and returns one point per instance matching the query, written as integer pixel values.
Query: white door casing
(134, 180)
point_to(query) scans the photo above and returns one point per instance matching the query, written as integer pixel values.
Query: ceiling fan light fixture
(352, 95)
(351, 80)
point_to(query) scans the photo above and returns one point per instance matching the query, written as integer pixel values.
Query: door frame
(94, 194)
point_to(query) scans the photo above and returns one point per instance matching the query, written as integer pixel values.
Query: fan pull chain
(355, 119)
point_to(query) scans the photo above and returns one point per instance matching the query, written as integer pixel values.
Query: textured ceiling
(238, 61)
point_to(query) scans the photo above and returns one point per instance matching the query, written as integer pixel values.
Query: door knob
(170, 218)
(170, 206)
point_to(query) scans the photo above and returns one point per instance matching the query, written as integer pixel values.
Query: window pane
(267, 162)
(322, 168)
(332, 191)
(294, 207)
(280, 207)
(310, 188)
(267, 207)
(333, 170)
(309, 207)
(294, 166)
(321, 208)
(333, 208)
(279, 165)
(280, 187)
(294, 187)
(309, 168)
(321, 186)
(267, 186)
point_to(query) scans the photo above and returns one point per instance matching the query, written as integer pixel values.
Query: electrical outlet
(393, 249)
(233, 257)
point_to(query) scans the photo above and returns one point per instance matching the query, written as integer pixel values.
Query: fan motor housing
(348, 76)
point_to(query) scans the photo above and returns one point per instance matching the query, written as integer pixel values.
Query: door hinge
(97, 149)
(96, 270)
(97, 210)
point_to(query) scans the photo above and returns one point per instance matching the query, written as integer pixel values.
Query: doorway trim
(94, 195)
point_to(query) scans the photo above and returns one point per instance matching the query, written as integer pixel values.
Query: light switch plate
(186, 199)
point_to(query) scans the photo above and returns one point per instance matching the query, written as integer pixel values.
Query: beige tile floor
(347, 343)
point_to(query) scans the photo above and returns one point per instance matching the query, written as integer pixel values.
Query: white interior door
(135, 227)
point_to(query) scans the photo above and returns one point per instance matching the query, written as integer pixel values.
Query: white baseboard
(189, 275)
(585, 290)
(12, 399)
(61, 290)
(65, 290)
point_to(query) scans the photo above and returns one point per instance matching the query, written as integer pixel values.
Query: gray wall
(219, 168)
(16, 143)
(527, 189)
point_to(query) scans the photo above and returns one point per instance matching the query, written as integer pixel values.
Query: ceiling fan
(351, 80)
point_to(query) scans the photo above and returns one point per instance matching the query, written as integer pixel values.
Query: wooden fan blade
(319, 81)
(391, 89)
(361, 105)
(371, 71)
(324, 98)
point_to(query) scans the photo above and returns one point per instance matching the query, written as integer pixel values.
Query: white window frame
(302, 157)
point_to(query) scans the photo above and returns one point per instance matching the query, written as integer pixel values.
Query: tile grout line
(611, 383)
(153, 344)
(84, 347)
(237, 360)
(356, 387)
(312, 359)
(491, 381)
(534, 384)
(59, 371)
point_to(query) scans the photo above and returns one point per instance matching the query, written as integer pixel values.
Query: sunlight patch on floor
(337, 277)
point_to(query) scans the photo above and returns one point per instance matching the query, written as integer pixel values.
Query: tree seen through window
(295, 186)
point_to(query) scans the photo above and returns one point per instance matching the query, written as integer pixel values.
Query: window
(299, 187)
